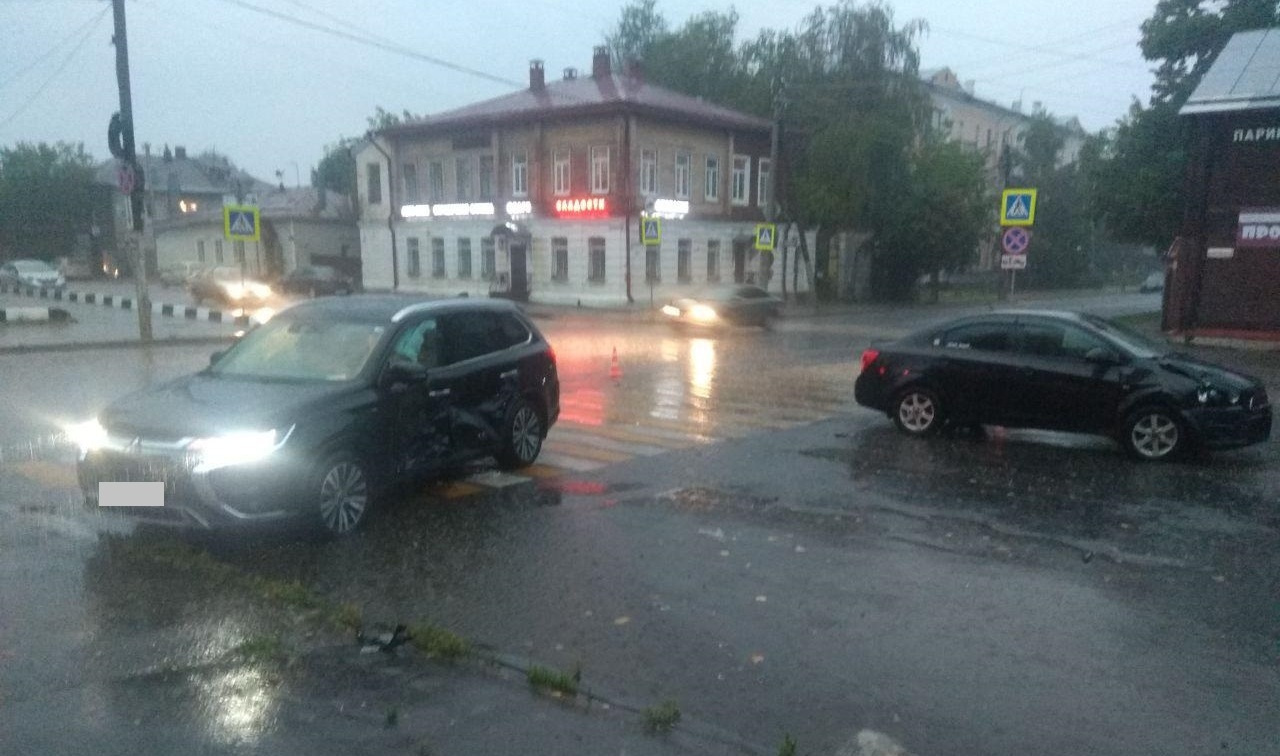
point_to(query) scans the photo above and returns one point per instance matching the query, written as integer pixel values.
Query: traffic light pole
(130, 159)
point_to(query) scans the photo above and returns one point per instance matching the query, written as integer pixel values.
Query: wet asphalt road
(727, 529)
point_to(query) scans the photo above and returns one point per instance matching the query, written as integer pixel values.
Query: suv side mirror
(1102, 356)
(404, 373)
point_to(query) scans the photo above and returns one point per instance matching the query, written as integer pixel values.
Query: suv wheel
(522, 436)
(341, 486)
(916, 412)
(1153, 434)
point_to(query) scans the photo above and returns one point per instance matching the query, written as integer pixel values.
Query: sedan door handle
(509, 374)
(439, 393)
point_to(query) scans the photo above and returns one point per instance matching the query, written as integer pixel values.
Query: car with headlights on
(34, 273)
(328, 407)
(719, 306)
(1067, 372)
(229, 286)
(316, 280)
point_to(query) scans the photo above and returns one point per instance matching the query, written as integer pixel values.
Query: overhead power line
(373, 42)
(52, 50)
(1032, 48)
(61, 67)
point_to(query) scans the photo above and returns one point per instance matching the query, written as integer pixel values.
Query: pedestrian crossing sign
(766, 235)
(650, 231)
(241, 222)
(1018, 207)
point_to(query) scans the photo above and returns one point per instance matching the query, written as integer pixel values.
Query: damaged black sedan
(1067, 372)
(325, 408)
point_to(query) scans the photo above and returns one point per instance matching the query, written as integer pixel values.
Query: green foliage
(46, 198)
(336, 171)
(383, 118)
(950, 212)
(788, 747)
(261, 649)
(543, 678)
(437, 642)
(662, 718)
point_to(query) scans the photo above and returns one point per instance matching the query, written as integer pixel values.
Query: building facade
(178, 186)
(1223, 277)
(540, 194)
(299, 228)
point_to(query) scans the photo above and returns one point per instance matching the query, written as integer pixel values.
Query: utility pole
(120, 138)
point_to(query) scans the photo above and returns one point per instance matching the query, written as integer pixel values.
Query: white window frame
(463, 247)
(743, 173)
(596, 246)
(520, 173)
(562, 174)
(684, 174)
(414, 254)
(464, 164)
(648, 172)
(438, 259)
(435, 181)
(409, 175)
(560, 254)
(763, 176)
(488, 258)
(713, 260)
(684, 261)
(600, 169)
(485, 176)
(711, 179)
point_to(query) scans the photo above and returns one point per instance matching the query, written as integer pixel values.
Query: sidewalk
(91, 326)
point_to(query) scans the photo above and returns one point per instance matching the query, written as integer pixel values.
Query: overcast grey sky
(270, 93)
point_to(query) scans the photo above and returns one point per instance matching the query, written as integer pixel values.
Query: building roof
(191, 175)
(586, 95)
(1244, 76)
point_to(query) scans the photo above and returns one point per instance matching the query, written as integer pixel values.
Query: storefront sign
(582, 207)
(671, 209)
(1258, 227)
(1259, 134)
(464, 209)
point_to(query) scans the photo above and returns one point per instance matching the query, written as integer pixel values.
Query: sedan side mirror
(403, 373)
(1102, 356)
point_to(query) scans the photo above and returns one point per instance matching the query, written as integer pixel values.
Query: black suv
(320, 411)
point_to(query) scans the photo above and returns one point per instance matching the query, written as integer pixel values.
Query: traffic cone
(615, 370)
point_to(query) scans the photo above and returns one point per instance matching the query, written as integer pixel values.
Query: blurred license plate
(131, 494)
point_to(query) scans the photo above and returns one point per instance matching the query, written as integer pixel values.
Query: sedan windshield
(306, 350)
(1136, 343)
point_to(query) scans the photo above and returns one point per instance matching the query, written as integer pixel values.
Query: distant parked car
(1153, 282)
(76, 268)
(179, 274)
(229, 286)
(1066, 372)
(724, 305)
(317, 280)
(35, 273)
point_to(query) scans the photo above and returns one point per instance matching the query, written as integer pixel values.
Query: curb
(84, 346)
(127, 303)
(33, 314)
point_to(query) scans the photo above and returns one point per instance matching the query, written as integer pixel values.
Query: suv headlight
(240, 448)
(1212, 396)
(89, 435)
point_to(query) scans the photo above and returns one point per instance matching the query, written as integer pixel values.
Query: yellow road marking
(585, 452)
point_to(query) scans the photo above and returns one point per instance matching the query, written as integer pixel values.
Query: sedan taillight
(869, 356)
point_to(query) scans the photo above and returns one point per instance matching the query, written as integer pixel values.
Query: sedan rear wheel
(1153, 434)
(917, 412)
(342, 487)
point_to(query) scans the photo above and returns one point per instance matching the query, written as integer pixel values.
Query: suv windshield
(304, 350)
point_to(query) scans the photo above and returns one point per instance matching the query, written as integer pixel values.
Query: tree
(336, 171)
(46, 198)
(382, 118)
(1143, 161)
(639, 27)
(950, 213)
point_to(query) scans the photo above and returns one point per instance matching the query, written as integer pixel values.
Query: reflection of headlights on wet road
(702, 313)
(235, 449)
(89, 435)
